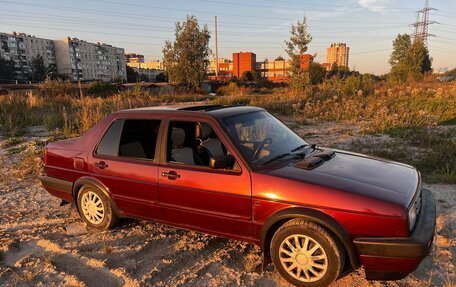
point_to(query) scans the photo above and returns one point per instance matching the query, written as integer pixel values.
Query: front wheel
(305, 254)
(95, 208)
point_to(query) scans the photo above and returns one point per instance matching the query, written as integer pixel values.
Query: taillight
(45, 156)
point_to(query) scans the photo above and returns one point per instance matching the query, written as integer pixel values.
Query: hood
(356, 173)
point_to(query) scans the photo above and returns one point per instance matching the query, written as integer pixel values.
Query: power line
(139, 16)
(120, 25)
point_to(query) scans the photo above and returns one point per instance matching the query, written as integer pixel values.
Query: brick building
(242, 62)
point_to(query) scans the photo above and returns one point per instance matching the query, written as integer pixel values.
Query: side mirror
(221, 161)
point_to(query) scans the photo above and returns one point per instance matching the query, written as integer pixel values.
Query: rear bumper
(394, 258)
(58, 187)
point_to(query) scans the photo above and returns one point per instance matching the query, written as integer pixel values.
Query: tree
(295, 47)
(339, 71)
(316, 73)
(161, 77)
(38, 69)
(51, 72)
(6, 70)
(410, 64)
(132, 75)
(401, 46)
(250, 76)
(279, 58)
(418, 57)
(187, 58)
(143, 78)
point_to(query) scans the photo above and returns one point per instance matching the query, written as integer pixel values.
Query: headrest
(178, 137)
(203, 130)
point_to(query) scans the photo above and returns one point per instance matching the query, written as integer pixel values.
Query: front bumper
(394, 258)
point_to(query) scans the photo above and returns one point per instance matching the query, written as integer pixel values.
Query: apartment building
(134, 58)
(151, 69)
(22, 49)
(337, 53)
(153, 65)
(84, 61)
(151, 74)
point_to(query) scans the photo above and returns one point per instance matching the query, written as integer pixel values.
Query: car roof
(218, 111)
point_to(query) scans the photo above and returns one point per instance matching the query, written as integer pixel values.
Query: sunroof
(205, 108)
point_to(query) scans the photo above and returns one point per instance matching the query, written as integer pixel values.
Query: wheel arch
(276, 220)
(86, 180)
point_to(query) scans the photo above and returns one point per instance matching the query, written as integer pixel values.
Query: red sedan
(239, 172)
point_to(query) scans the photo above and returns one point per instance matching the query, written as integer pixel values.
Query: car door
(125, 162)
(195, 196)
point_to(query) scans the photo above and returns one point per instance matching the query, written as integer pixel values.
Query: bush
(53, 88)
(102, 89)
(352, 85)
(231, 89)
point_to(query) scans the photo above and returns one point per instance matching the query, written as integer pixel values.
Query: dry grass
(431, 149)
(376, 107)
(70, 111)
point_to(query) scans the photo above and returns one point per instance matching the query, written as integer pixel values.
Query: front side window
(130, 138)
(195, 144)
(261, 137)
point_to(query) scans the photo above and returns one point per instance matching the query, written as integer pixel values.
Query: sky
(140, 26)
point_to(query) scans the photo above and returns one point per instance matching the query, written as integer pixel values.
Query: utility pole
(421, 26)
(216, 49)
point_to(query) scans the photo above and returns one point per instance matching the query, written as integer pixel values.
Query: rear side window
(139, 138)
(130, 138)
(109, 144)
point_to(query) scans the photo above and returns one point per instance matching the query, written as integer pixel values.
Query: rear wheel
(305, 254)
(95, 208)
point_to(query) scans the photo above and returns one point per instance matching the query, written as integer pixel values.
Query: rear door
(125, 162)
(194, 195)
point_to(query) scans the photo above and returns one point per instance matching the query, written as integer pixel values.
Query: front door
(194, 195)
(124, 161)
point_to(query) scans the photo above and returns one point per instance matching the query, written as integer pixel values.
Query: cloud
(374, 5)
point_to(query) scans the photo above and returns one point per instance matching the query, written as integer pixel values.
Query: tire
(320, 266)
(95, 208)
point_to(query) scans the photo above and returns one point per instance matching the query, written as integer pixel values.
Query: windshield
(262, 138)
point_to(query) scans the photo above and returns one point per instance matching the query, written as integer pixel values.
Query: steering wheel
(260, 147)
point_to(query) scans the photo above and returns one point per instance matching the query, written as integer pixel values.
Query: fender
(316, 216)
(98, 184)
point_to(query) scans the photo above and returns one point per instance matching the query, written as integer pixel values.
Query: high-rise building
(22, 49)
(242, 62)
(337, 53)
(82, 61)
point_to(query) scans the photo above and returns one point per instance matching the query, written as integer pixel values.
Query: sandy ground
(42, 244)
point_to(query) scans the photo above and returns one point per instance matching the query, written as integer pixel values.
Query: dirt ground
(42, 244)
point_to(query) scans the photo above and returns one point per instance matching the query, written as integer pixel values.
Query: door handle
(171, 175)
(101, 165)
